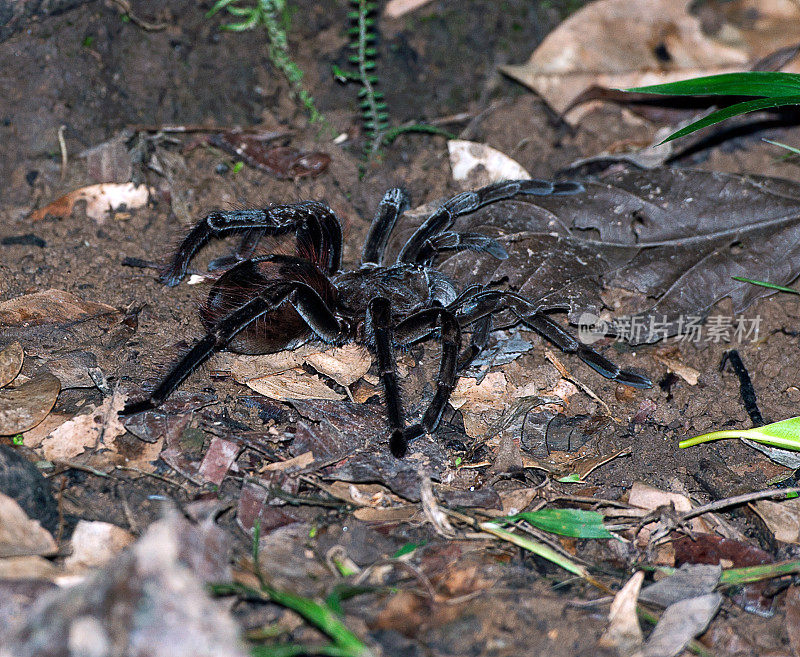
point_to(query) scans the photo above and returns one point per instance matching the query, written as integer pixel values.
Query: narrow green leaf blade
(734, 110)
(540, 549)
(577, 523)
(754, 83)
(772, 286)
(784, 434)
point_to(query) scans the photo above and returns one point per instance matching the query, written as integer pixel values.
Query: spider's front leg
(414, 328)
(315, 225)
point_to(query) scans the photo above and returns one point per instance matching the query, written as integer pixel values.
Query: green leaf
(577, 523)
(408, 548)
(784, 434)
(772, 286)
(734, 110)
(754, 83)
(237, 167)
(540, 549)
(747, 574)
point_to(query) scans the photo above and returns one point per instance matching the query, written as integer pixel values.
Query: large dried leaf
(49, 307)
(672, 238)
(24, 407)
(662, 40)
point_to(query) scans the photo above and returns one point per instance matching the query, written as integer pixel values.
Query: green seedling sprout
(784, 434)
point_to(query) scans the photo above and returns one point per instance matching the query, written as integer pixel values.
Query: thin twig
(62, 143)
(736, 500)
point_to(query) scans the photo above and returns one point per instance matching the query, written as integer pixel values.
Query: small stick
(62, 143)
(736, 500)
(563, 371)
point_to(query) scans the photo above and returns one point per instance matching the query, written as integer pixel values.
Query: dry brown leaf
(11, 358)
(515, 501)
(650, 498)
(19, 535)
(49, 307)
(477, 165)
(782, 518)
(663, 42)
(390, 514)
(101, 200)
(688, 374)
(95, 543)
(397, 8)
(98, 428)
(297, 463)
(218, 459)
(623, 633)
(32, 567)
(481, 404)
(293, 384)
(280, 376)
(24, 407)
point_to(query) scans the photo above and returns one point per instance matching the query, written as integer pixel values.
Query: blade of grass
(769, 84)
(734, 110)
(772, 286)
(539, 549)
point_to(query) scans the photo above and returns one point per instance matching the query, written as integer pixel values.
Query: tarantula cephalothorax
(276, 302)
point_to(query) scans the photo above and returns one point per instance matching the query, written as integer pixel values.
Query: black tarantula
(307, 297)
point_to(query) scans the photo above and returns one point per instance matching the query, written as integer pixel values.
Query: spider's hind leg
(550, 330)
(302, 297)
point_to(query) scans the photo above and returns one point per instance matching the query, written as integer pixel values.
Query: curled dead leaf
(11, 358)
(24, 407)
(280, 376)
(100, 200)
(49, 307)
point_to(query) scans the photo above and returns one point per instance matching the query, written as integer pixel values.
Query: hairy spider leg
(418, 248)
(392, 205)
(414, 328)
(301, 296)
(489, 302)
(452, 241)
(313, 222)
(379, 316)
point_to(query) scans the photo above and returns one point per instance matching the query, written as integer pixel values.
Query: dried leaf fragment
(11, 358)
(95, 543)
(623, 632)
(101, 200)
(49, 307)
(19, 535)
(480, 165)
(24, 407)
(98, 428)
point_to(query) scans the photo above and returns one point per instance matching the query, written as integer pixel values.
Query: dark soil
(99, 75)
